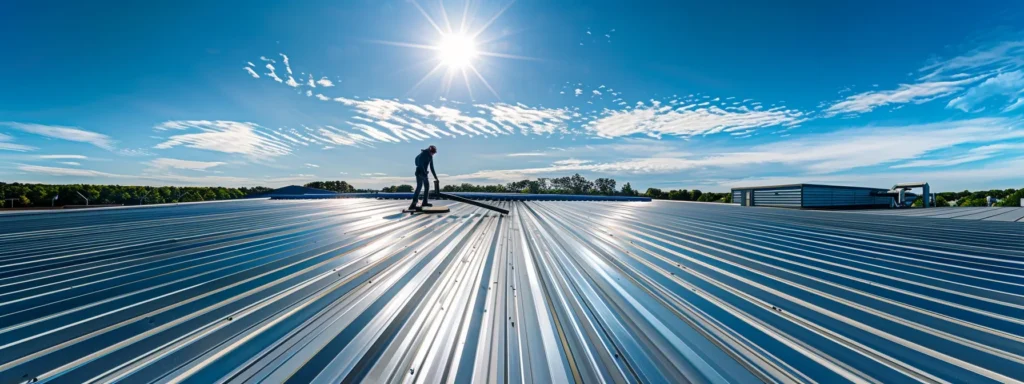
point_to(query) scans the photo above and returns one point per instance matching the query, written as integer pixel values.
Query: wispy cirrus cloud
(810, 155)
(691, 119)
(394, 121)
(906, 93)
(1009, 85)
(999, 65)
(233, 137)
(59, 171)
(7, 145)
(528, 120)
(252, 72)
(1004, 55)
(64, 133)
(164, 163)
(71, 157)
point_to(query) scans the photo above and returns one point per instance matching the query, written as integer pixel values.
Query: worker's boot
(413, 207)
(426, 204)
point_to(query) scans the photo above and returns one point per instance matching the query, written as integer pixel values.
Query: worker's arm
(432, 169)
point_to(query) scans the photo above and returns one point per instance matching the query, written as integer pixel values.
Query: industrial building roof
(352, 290)
(959, 213)
(801, 185)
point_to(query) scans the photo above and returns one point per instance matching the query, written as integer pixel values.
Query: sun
(457, 51)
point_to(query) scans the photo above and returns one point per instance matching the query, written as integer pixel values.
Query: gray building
(812, 196)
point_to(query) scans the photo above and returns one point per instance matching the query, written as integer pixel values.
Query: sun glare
(457, 51)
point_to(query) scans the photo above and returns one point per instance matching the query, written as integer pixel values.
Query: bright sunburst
(458, 49)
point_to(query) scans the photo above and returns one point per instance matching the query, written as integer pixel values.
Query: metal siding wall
(737, 196)
(778, 197)
(820, 197)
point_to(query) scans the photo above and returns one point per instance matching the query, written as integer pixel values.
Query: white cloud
(688, 120)
(325, 82)
(167, 163)
(74, 163)
(373, 174)
(6, 145)
(58, 171)
(570, 162)
(73, 157)
(539, 121)
(287, 66)
(596, 92)
(809, 156)
(972, 155)
(224, 136)
(292, 83)
(273, 74)
(252, 72)
(1004, 55)
(1009, 84)
(134, 152)
(309, 165)
(65, 133)
(951, 77)
(906, 93)
(578, 91)
(1017, 104)
(322, 97)
(526, 154)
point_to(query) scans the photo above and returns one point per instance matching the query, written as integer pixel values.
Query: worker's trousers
(421, 182)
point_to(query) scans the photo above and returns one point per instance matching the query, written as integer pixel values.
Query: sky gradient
(707, 95)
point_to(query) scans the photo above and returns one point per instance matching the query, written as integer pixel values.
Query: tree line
(687, 195)
(567, 185)
(46, 195)
(1007, 198)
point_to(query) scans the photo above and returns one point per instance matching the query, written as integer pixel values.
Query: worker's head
(432, 149)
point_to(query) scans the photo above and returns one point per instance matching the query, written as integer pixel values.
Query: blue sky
(706, 95)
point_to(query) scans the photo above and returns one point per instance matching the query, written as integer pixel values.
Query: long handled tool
(437, 190)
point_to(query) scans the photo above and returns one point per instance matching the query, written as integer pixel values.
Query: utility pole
(83, 196)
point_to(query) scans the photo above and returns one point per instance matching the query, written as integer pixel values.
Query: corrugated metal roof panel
(351, 290)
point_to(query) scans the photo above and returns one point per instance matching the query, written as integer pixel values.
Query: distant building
(812, 196)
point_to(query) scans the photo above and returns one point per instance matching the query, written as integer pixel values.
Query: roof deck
(352, 290)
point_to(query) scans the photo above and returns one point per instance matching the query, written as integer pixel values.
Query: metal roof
(959, 213)
(350, 290)
(498, 196)
(801, 185)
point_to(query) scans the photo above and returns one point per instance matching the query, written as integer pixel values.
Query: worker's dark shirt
(423, 160)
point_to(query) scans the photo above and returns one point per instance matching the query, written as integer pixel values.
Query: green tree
(655, 193)
(605, 186)
(627, 190)
(404, 188)
(1013, 199)
(695, 195)
(679, 194)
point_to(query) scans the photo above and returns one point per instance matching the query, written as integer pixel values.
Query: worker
(423, 160)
